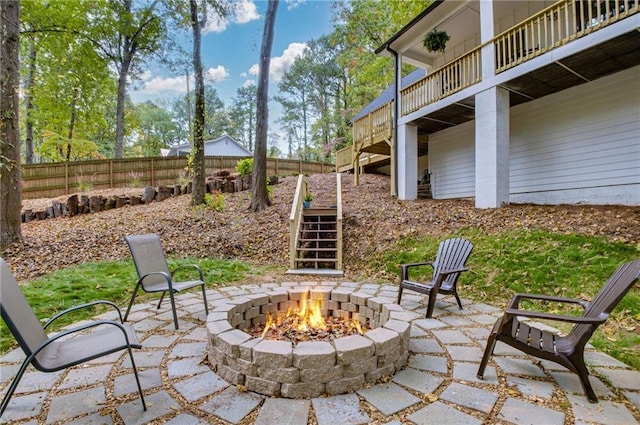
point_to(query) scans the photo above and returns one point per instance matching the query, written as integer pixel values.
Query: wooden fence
(58, 179)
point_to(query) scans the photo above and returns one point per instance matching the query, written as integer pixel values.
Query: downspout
(396, 109)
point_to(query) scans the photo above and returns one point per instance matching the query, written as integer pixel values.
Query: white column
(407, 155)
(492, 148)
(487, 32)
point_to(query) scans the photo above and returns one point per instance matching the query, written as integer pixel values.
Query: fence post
(66, 178)
(153, 176)
(110, 174)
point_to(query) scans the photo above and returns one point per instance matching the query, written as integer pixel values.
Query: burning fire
(307, 319)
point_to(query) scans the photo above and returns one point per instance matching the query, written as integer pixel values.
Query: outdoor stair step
(318, 240)
(317, 249)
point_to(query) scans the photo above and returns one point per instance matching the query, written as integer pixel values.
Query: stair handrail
(302, 188)
(339, 220)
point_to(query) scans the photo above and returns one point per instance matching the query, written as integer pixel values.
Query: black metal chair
(566, 350)
(154, 275)
(447, 267)
(64, 349)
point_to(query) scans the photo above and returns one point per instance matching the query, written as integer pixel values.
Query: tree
(155, 129)
(127, 37)
(243, 115)
(10, 178)
(259, 196)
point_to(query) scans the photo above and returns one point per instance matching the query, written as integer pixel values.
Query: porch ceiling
(615, 55)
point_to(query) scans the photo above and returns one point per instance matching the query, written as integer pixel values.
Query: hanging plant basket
(436, 41)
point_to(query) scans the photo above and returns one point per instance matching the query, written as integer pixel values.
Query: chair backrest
(616, 287)
(18, 314)
(148, 257)
(452, 254)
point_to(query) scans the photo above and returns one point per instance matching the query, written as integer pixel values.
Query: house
(531, 102)
(224, 145)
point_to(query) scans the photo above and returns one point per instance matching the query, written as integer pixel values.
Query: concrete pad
(158, 404)
(418, 381)
(232, 405)
(440, 413)
(76, 404)
(523, 413)
(429, 363)
(284, 411)
(340, 409)
(199, 386)
(388, 398)
(605, 412)
(471, 397)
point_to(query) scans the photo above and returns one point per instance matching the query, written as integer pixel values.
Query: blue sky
(231, 49)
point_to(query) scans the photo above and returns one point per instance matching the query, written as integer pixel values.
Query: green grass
(544, 263)
(113, 281)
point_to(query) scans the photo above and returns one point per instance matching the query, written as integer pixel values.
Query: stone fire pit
(308, 369)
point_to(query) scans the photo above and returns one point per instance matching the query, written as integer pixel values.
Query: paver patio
(438, 385)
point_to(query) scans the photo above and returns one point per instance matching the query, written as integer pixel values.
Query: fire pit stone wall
(310, 368)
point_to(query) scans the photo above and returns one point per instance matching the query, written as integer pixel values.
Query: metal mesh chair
(154, 275)
(65, 349)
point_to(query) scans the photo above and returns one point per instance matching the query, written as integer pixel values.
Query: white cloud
(161, 85)
(248, 83)
(215, 23)
(292, 4)
(217, 74)
(280, 64)
(244, 11)
(177, 85)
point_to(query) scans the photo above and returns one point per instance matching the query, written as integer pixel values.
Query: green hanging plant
(436, 40)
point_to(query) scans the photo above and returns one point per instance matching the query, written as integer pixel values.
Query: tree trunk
(197, 149)
(123, 73)
(28, 86)
(10, 179)
(260, 197)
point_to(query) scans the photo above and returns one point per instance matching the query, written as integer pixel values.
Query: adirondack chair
(566, 350)
(154, 275)
(447, 267)
(69, 347)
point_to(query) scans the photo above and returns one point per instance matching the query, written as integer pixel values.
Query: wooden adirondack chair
(565, 350)
(449, 263)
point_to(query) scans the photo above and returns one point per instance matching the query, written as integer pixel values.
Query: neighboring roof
(404, 29)
(387, 95)
(224, 145)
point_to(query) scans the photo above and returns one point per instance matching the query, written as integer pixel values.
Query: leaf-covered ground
(373, 221)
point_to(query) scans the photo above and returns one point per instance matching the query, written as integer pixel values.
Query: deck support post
(407, 155)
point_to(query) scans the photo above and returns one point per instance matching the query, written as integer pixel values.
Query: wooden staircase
(315, 244)
(318, 240)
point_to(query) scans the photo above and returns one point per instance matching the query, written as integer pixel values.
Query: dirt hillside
(373, 221)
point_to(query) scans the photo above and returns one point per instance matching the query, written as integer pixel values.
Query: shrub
(215, 201)
(245, 166)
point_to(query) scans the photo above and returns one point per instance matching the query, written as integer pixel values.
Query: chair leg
(206, 307)
(135, 373)
(455, 294)
(399, 293)
(173, 309)
(133, 297)
(161, 298)
(583, 375)
(432, 303)
(488, 351)
(13, 386)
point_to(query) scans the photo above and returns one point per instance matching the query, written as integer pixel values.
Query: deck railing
(375, 126)
(555, 26)
(451, 78)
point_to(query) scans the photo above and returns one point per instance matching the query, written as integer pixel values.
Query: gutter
(397, 76)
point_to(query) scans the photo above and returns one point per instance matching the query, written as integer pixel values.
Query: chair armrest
(81, 306)
(558, 317)
(448, 272)
(404, 268)
(188, 266)
(515, 301)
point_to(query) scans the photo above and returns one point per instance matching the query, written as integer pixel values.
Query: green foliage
(113, 281)
(135, 179)
(538, 262)
(245, 166)
(214, 201)
(436, 41)
(308, 197)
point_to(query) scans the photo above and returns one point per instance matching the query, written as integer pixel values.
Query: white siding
(581, 145)
(452, 162)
